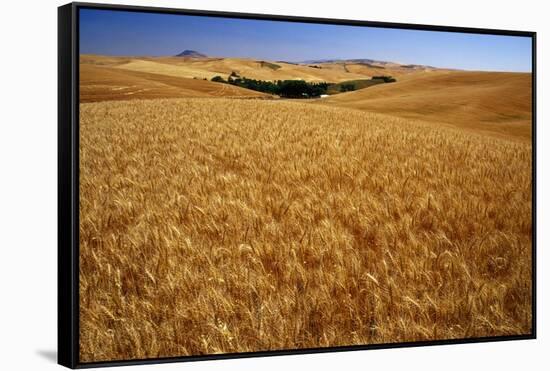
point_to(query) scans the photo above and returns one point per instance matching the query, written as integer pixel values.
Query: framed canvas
(235, 185)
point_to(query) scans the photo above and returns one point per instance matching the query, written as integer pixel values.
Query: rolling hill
(104, 83)
(492, 102)
(208, 67)
(496, 102)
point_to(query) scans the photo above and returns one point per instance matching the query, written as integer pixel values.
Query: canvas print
(257, 185)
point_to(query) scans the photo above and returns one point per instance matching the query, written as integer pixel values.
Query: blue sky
(150, 34)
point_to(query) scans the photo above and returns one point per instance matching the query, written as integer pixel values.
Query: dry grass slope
(218, 225)
(103, 83)
(494, 102)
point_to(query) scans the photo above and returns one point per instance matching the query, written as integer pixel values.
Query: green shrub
(347, 87)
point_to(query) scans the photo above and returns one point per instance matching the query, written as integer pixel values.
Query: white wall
(28, 182)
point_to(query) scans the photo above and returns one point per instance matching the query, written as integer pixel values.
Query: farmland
(214, 224)
(223, 209)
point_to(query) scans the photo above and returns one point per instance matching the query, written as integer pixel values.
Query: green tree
(217, 79)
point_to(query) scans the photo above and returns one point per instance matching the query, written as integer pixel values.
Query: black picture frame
(68, 182)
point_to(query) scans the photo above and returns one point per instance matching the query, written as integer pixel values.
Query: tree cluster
(282, 88)
(385, 78)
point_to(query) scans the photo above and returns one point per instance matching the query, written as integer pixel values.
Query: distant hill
(368, 62)
(356, 60)
(315, 61)
(194, 64)
(191, 54)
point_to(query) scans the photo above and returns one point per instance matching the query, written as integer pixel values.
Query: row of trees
(282, 88)
(385, 78)
(289, 88)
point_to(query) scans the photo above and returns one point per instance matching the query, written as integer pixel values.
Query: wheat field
(213, 225)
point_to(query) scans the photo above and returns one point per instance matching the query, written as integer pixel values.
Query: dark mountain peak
(191, 54)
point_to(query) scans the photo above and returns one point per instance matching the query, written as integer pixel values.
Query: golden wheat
(217, 225)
